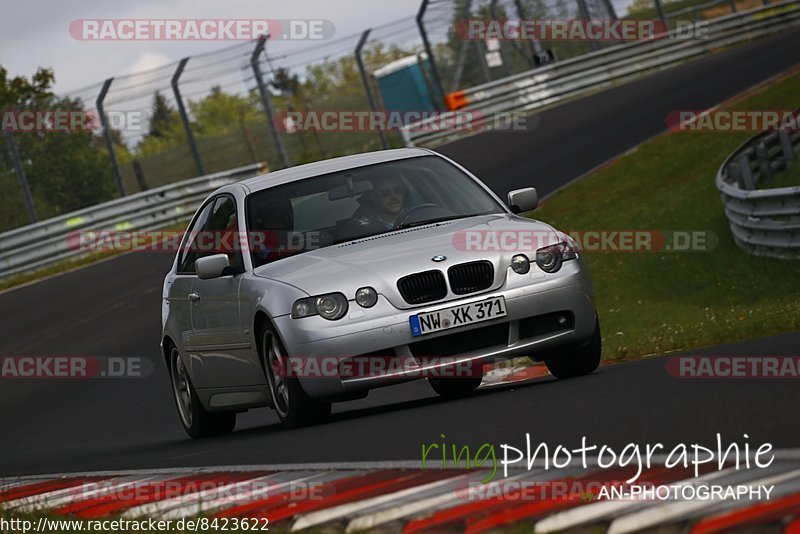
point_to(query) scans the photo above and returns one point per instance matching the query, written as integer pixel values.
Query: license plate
(476, 312)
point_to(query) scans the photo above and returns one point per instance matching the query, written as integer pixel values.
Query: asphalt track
(112, 309)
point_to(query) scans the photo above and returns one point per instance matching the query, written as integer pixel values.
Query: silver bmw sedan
(315, 284)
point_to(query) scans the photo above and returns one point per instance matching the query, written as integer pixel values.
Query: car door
(219, 337)
(181, 284)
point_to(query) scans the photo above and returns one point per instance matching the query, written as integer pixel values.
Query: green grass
(788, 178)
(656, 302)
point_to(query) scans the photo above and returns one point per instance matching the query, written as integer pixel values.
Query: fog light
(562, 321)
(366, 297)
(520, 264)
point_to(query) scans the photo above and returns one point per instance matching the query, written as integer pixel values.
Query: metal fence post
(487, 76)
(584, 9)
(23, 181)
(786, 145)
(265, 100)
(187, 127)
(612, 13)
(364, 78)
(763, 161)
(437, 81)
(534, 44)
(107, 135)
(660, 9)
(745, 173)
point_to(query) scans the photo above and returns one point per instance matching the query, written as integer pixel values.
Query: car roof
(271, 179)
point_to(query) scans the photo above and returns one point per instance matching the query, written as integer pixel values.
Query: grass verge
(656, 302)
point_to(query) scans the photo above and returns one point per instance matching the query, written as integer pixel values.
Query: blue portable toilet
(402, 84)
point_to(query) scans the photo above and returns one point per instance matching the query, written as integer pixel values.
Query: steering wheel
(403, 217)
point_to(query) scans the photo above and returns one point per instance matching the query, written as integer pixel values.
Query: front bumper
(384, 329)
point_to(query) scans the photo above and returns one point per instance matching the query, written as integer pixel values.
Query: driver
(386, 201)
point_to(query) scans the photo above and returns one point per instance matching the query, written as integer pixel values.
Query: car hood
(379, 261)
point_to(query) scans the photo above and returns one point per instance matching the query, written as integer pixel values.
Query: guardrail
(764, 222)
(551, 84)
(37, 245)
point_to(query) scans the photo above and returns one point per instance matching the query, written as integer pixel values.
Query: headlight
(549, 259)
(331, 306)
(520, 264)
(366, 297)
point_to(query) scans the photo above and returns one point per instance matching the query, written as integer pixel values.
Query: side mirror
(211, 266)
(522, 200)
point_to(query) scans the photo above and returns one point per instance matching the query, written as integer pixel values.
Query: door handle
(194, 296)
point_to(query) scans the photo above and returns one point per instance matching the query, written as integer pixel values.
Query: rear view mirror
(211, 266)
(522, 200)
(349, 189)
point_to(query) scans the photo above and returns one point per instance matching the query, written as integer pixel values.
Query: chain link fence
(228, 108)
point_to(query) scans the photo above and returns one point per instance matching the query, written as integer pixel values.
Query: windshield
(325, 210)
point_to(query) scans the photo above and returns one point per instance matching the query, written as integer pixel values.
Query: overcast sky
(35, 33)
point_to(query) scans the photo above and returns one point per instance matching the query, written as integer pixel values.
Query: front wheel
(293, 406)
(196, 420)
(578, 362)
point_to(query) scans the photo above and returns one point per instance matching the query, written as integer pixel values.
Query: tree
(65, 170)
(285, 83)
(161, 116)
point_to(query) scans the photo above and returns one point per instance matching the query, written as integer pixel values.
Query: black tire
(458, 386)
(196, 420)
(578, 362)
(293, 406)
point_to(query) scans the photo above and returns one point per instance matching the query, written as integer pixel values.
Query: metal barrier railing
(764, 222)
(544, 86)
(44, 243)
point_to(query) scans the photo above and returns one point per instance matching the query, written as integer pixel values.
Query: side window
(190, 250)
(223, 228)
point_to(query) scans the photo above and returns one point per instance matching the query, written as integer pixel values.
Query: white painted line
(608, 509)
(344, 510)
(90, 490)
(421, 504)
(154, 509)
(11, 483)
(675, 510)
(273, 484)
(40, 498)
